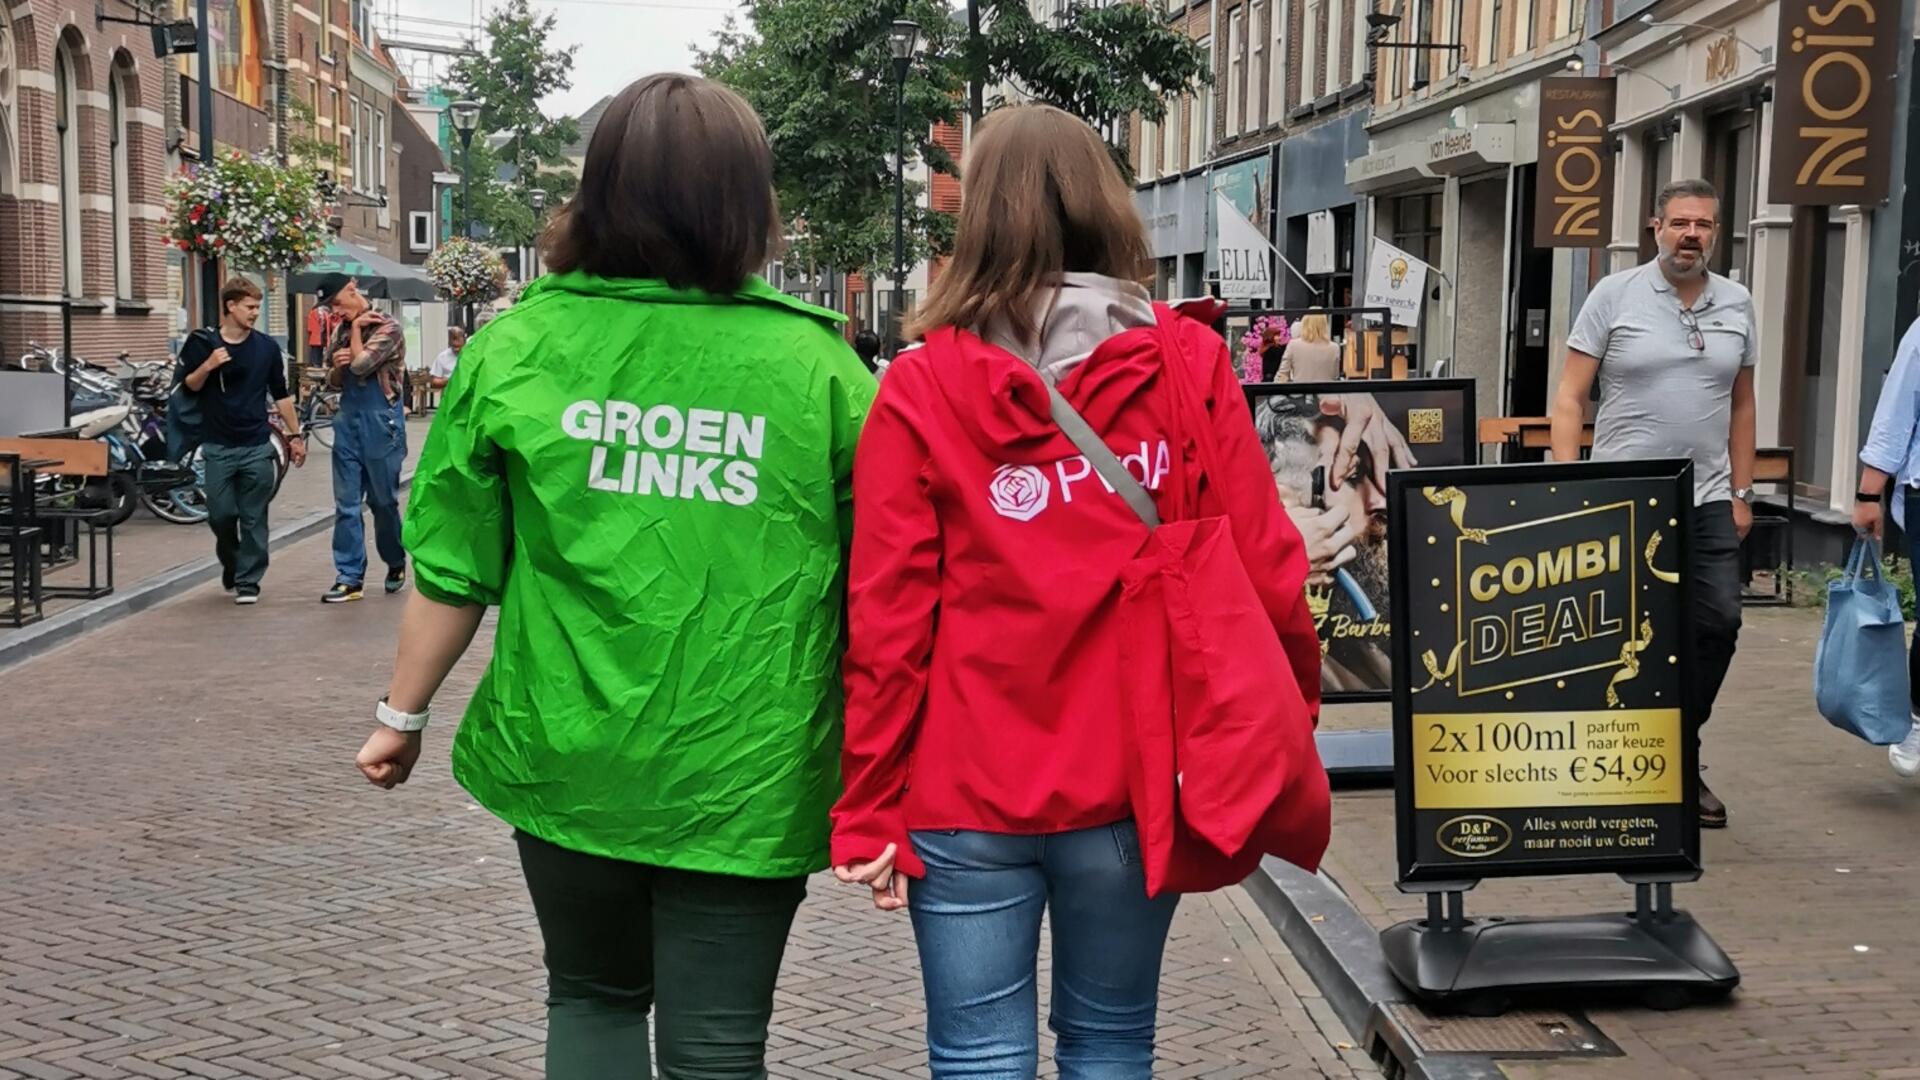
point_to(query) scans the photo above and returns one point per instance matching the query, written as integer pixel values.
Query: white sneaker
(1905, 755)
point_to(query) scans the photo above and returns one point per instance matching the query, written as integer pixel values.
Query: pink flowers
(1267, 332)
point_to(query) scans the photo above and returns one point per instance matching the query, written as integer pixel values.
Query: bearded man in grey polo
(1673, 345)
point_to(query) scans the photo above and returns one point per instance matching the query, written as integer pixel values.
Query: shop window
(1731, 169)
(1236, 72)
(1818, 384)
(1170, 138)
(1656, 154)
(1200, 121)
(119, 178)
(66, 133)
(238, 31)
(1309, 53)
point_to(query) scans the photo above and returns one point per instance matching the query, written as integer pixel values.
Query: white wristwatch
(397, 720)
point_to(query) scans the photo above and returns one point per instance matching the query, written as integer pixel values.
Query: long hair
(1041, 197)
(1313, 328)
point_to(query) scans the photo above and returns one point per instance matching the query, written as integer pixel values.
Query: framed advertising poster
(1330, 446)
(1541, 658)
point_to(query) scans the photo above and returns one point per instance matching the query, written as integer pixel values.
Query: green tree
(517, 68)
(1102, 64)
(820, 73)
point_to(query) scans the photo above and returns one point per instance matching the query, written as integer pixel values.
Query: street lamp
(904, 38)
(466, 117)
(538, 197)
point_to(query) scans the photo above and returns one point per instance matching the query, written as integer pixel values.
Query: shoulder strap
(1102, 458)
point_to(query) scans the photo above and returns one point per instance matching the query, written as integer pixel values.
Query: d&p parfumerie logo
(1019, 492)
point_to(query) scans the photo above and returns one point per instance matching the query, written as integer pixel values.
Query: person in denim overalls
(367, 359)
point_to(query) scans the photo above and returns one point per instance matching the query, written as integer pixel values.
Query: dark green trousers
(239, 486)
(701, 951)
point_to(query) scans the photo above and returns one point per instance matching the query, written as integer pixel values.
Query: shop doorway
(1531, 306)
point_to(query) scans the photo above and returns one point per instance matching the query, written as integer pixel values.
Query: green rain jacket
(654, 487)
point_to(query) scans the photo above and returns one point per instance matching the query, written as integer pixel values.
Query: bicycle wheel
(282, 460)
(318, 420)
(185, 505)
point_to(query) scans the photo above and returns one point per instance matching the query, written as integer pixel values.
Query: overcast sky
(620, 40)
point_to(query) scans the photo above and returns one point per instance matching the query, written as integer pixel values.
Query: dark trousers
(1716, 602)
(701, 950)
(239, 486)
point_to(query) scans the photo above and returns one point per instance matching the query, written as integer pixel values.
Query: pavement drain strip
(1532, 1033)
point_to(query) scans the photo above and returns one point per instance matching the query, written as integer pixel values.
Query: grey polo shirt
(1659, 396)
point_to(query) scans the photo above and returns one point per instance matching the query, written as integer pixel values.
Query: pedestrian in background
(1890, 480)
(234, 375)
(986, 768)
(1311, 356)
(1673, 345)
(661, 517)
(368, 355)
(866, 345)
(442, 371)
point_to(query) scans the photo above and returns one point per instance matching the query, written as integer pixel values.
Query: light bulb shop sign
(1396, 281)
(1540, 661)
(1833, 101)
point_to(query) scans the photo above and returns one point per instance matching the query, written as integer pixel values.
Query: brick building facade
(82, 162)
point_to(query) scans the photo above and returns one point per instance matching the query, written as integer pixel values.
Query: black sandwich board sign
(1541, 658)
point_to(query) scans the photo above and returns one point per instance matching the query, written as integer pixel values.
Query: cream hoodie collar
(1086, 310)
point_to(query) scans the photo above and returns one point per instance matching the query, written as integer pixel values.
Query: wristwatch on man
(1865, 497)
(1744, 494)
(397, 720)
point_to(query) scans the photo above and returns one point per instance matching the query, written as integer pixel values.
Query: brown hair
(1041, 197)
(236, 289)
(677, 184)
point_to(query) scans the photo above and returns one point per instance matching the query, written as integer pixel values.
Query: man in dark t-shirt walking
(232, 381)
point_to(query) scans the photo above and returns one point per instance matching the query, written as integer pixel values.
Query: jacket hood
(1098, 345)
(754, 290)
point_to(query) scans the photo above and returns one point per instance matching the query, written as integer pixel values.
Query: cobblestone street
(198, 884)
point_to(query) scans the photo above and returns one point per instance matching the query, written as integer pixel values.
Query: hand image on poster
(1330, 450)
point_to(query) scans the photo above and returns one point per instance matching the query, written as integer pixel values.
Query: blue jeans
(976, 920)
(369, 446)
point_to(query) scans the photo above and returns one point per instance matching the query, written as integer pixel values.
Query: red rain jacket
(983, 677)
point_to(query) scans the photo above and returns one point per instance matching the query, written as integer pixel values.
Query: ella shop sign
(1833, 101)
(1245, 267)
(1573, 192)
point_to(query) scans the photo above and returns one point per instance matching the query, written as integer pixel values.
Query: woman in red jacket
(984, 758)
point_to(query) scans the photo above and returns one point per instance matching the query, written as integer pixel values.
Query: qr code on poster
(1425, 427)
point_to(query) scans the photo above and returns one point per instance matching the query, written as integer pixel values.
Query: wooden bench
(1516, 433)
(71, 457)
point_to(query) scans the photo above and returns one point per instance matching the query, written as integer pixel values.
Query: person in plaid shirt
(367, 363)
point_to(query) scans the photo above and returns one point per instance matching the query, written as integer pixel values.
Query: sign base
(1656, 954)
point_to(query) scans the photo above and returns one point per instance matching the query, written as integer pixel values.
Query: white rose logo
(1019, 492)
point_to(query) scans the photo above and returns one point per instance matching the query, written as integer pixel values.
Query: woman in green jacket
(645, 465)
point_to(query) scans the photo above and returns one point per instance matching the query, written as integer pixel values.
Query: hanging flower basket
(466, 272)
(1267, 333)
(252, 212)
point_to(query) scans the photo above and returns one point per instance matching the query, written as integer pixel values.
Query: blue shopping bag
(1860, 669)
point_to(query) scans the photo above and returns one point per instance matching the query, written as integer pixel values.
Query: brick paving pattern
(197, 884)
(1811, 890)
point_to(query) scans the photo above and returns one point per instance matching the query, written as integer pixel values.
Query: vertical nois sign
(1573, 196)
(1833, 101)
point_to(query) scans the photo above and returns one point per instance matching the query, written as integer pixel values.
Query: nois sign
(1833, 101)
(1573, 197)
